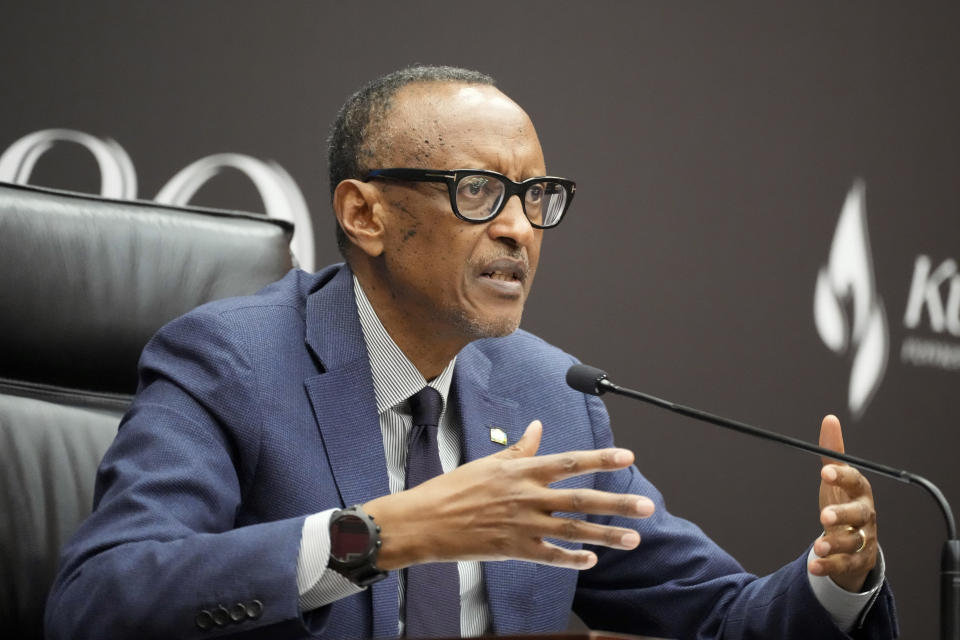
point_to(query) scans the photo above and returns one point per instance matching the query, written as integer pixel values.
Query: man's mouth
(505, 270)
(503, 276)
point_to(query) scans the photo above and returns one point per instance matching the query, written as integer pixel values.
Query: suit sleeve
(679, 584)
(162, 554)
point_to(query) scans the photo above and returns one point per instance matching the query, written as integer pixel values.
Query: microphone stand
(950, 556)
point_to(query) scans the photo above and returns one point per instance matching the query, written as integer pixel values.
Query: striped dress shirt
(395, 379)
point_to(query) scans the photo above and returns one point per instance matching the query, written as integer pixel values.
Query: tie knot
(426, 405)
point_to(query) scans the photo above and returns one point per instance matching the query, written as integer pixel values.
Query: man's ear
(357, 207)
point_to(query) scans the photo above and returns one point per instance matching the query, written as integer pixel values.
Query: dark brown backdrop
(713, 145)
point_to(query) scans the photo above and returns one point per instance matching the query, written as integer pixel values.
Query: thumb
(831, 437)
(527, 445)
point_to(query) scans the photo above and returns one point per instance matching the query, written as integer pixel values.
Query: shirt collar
(395, 378)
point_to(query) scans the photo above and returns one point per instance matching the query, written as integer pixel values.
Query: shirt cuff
(845, 607)
(316, 584)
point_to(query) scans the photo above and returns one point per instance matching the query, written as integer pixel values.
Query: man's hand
(846, 508)
(500, 507)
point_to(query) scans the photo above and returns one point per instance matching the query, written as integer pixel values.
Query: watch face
(349, 538)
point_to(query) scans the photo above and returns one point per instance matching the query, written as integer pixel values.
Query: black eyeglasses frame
(453, 177)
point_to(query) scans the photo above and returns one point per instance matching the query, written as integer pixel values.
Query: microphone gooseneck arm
(742, 427)
(593, 381)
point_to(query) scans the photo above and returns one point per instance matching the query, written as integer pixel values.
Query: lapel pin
(498, 435)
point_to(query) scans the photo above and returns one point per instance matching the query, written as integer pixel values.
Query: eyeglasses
(479, 196)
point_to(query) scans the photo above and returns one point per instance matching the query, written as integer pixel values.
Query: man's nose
(512, 224)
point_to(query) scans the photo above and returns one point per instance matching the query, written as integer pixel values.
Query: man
(220, 506)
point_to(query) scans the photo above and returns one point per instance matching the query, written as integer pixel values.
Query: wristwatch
(354, 545)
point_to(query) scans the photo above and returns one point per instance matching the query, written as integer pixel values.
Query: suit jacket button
(204, 620)
(254, 609)
(221, 616)
(238, 612)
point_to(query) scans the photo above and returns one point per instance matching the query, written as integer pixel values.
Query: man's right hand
(500, 507)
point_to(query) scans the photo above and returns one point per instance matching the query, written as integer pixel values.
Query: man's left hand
(846, 510)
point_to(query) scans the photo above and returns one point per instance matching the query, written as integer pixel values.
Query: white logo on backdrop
(847, 281)
(944, 320)
(281, 196)
(117, 176)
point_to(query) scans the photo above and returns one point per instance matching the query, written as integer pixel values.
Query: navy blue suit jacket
(255, 412)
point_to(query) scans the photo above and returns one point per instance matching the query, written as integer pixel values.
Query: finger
(544, 552)
(841, 563)
(598, 503)
(845, 540)
(831, 437)
(528, 443)
(574, 530)
(858, 513)
(557, 466)
(854, 483)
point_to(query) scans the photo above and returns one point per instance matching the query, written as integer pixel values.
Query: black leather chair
(84, 283)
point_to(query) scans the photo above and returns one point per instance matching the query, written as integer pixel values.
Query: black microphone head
(586, 379)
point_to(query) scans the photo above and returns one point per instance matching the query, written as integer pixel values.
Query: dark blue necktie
(433, 590)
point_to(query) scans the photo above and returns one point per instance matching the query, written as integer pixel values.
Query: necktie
(433, 590)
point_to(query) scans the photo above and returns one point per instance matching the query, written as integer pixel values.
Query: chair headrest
(86, 281)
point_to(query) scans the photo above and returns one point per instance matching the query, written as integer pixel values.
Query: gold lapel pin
(498, 435)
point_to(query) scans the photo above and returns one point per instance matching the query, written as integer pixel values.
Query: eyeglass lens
(479, 196)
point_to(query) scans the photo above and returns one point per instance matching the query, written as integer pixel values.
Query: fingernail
(622, 457)
(643, 507)
(630, 539)
(822, 548)
(588, 560)
(830, 474)
(829, 517)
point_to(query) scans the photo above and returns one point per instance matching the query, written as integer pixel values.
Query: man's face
(455, 278)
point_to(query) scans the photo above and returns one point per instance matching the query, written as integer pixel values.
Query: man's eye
(474, 186)
(535, 193)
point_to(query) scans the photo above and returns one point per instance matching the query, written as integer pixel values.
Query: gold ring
(860, 532)
(863, 539)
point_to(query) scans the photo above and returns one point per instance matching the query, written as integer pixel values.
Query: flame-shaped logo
(847, 282)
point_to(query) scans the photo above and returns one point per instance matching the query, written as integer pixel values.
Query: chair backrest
(84, 283)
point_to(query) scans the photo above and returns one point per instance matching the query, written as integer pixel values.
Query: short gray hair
(349, 148)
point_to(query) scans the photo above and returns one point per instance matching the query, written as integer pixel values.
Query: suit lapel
(509, 584)
(345, 407)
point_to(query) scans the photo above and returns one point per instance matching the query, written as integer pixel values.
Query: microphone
(593, 381)
(586, 379)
